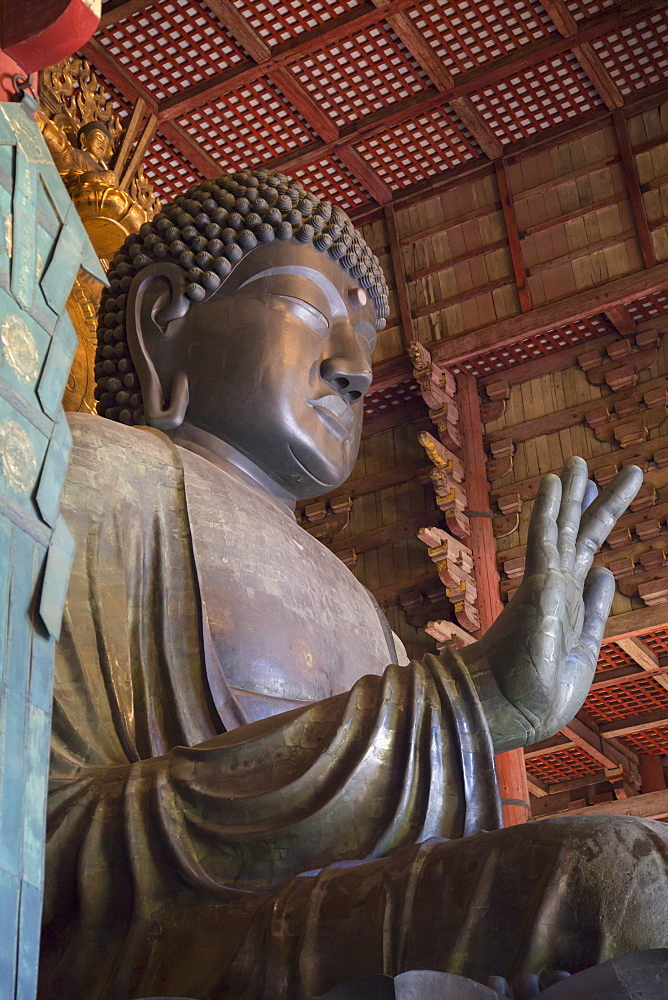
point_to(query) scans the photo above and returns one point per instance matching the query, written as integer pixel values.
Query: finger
(598, 594)
(541, 548)
(599, 519)
(574, 484)
(590, 495)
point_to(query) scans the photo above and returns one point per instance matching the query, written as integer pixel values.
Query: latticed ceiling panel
(657, 641)
(467, 36)
(612, 657)
(365, 73)
(635, 697)
(649, 306)
(169, 172)
(376, 403)
(332, 180)
(420, 148)
(535, 347)
(252, 124)
(636, 56)
(653, 741)
(171, 46)
(562, 765)
(539, 98)
(277, 22)
(581, 9)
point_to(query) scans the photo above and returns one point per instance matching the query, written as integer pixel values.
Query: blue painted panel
(30, 919)
(57, 573)
(41, 672)
(12, 761)
(9, 919)
(54, 471)
(5, 563)
(24, 345)
(38, 733)
(57, 366)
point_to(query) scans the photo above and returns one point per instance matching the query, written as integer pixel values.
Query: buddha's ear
(156, 299)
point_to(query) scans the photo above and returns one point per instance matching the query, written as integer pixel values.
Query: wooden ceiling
(508, 161)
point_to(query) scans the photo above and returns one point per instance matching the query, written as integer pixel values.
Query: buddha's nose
(351, 380)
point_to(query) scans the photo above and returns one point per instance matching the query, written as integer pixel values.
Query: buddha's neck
(226, 457)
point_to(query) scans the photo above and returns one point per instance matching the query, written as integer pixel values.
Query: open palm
(534, 666)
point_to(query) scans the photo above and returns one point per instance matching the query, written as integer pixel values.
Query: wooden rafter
(633, 187)
(398, 269)
(567, 310)
(644, 657)
(566, 24)
(513, 235)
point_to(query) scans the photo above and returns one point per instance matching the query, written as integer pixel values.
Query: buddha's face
(96, 143)
(278, 363)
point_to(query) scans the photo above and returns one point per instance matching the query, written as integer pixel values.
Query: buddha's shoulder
(110, 457)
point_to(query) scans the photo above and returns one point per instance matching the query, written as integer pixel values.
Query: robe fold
(193, 853)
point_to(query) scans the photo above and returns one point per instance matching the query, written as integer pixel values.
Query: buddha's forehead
(289, 265)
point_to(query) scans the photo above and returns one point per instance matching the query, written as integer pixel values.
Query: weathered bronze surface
(246, 802)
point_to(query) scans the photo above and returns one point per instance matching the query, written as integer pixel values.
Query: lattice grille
(332, 180)
(167, 171)
(277, 21)
(170, 47)
(562, 765)
(657, 640)
(534, 347)
(538, 98)
(648, 306)
(390, 399)
(581, 9)
(637, 55)
(612, 657)
(651, 741)
(360, 75)
(631, 698)
(467, 36)
(249, 126)
(420, 148)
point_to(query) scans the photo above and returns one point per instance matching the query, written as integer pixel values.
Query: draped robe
(192, 852)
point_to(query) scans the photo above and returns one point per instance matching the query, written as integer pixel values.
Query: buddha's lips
(334, 405)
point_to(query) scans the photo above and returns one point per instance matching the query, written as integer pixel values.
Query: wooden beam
(592, 742)
(635, 723)
(391, 372)
(633, 187)
(636, 622)
(129, 136)
(138, 154)
(548, 363)
(536, 787)
(510, 766)
(513, 235)
(390, 593)
(653, 805)
(398, 531)
(364, 173)
(622, 320)
(383, 480)
(652, 778)
(306, 105)
(240, 29)
(581, 305)
(408, 413)
(644, 657)
(408, 332)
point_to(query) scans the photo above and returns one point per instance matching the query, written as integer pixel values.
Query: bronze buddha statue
(246, 800)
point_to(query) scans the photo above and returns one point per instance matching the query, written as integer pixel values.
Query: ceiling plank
(306, 105)
(360, 169)
(585, 54)
(635, 723)
(240, 29)
(581, 305)
(636, 622)
(593, 743)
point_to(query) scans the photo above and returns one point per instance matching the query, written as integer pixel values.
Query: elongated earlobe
(157, 298)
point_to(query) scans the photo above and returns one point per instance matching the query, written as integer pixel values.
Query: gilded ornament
(17, 456)
(19, 349)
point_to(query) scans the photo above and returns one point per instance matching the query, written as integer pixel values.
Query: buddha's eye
(307, 313)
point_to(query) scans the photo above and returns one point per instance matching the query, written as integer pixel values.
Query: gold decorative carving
(82, 132)
(19, 349)
(17, 457)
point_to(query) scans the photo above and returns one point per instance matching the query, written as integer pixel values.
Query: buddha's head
(246, 309)
(95, 139)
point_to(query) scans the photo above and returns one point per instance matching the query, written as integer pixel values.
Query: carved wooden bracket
(619, 366)
(324, 520)
(454, 563)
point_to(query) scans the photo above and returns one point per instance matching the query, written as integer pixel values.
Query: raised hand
(534, 666)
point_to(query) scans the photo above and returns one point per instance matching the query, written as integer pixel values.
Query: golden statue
(247, 802)
(82, 133)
